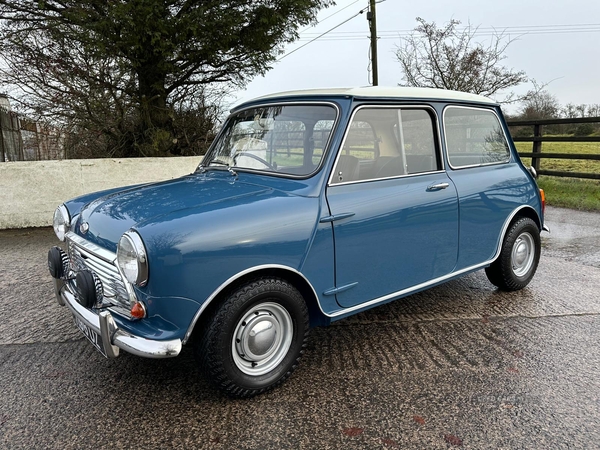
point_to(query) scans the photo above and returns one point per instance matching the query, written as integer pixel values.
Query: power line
(480, 31)
(399, 36)
(323, 34)
(495, 28)
(329, 16)
(489, 31)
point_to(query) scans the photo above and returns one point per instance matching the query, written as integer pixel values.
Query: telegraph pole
(372, 18)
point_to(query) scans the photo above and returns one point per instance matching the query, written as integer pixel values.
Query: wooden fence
(538, 137)
(22, 139)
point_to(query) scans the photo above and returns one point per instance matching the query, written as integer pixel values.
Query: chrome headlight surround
(132, 259)
(61, 222)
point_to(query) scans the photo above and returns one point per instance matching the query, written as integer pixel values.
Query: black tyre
(255, 338)
(519, 257)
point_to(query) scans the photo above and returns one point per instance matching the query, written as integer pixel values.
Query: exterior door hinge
(335, 217)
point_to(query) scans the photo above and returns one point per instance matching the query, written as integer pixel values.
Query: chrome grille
(114, 288)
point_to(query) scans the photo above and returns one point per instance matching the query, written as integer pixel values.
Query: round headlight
(61, 222)
(131, 258)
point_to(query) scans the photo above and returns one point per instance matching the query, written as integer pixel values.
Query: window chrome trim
(439, 153)
(435, 281)
(326, 147)
(478, 108)
(396, 177)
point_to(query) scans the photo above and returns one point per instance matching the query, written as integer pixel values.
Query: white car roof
(386, 92)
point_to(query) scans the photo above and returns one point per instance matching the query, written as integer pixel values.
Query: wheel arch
(294, 277)
(529, 212)
(519, 213)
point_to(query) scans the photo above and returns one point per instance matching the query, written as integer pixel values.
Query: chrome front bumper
(112, 337)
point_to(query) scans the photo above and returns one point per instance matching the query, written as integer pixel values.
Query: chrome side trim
(407, 290)
(235, 277)
(114, 338)
(362, 305)
(545, 228)
(421, 286)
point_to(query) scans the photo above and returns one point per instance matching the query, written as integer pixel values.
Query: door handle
(437, 187)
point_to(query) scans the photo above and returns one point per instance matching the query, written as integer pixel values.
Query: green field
(575, 193)
(568, 165)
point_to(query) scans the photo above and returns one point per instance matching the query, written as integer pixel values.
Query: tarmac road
(461, 365)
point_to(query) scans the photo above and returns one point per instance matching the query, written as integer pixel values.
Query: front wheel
(255, 338)
(519, 257)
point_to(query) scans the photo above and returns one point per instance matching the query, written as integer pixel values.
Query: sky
(556, 43)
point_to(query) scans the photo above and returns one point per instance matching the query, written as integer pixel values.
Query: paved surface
(462, 365)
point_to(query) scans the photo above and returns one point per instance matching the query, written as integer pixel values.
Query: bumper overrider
(103, 332)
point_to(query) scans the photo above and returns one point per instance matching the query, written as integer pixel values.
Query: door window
(387, 142)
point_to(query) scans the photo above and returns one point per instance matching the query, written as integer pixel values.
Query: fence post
(537, 147)
(2, 157)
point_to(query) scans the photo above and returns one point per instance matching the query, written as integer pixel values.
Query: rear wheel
(519, 257)
(255, 338)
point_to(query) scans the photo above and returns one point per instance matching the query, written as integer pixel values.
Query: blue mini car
(309, 207)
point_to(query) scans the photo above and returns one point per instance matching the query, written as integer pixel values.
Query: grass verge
(571, 193)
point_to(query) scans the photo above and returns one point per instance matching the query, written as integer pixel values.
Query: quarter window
(474, 137)
(385, 143)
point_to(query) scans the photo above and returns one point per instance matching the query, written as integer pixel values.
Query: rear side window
(474, 137)
(383, 142)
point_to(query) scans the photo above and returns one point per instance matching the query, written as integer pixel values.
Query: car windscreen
(289, 139)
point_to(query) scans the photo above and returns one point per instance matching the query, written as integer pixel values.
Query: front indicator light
(138, 310)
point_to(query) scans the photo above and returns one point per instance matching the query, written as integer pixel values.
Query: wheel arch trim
(509, 220)
(237, 276)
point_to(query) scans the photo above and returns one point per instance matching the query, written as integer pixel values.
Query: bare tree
(450, 58)
(539, 104)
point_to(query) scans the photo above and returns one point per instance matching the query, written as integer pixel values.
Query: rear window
(474, 137)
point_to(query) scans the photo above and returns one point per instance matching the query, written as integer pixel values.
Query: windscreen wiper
(222, 163)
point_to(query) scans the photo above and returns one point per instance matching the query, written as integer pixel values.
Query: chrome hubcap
(523, 253)
(262, 338)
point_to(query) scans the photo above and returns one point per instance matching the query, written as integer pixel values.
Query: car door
(393, 208)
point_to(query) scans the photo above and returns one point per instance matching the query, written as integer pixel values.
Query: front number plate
(90, 334)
